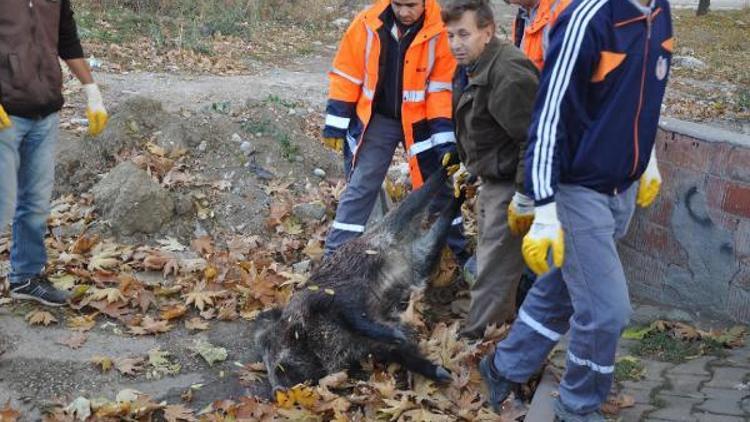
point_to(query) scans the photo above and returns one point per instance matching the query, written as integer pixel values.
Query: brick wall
(691, 249)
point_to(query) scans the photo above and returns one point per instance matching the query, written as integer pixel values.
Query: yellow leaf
(82, 323)
(300, 394)
(38, 317)
(110, 294)
(104, 363)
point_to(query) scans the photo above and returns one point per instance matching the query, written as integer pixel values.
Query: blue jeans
(27, 175)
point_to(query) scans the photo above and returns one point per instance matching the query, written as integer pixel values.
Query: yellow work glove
(520, 214)
(95, 111)
(336, 144)
(5, 122)
(650, 184)
(451, 162)
(463, 180)
(546, 233)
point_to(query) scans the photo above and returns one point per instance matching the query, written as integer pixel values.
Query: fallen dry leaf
(9, 414)
(129, 366)
(178, 412)
(196, 323)
(104, 363)
(173, 312)
(38, 317)
(75, 341)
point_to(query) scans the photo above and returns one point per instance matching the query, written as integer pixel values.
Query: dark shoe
(498, 387)
(40, 290)
(562, 414)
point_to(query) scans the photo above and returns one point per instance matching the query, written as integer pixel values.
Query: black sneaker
(40, 290)
(498, 387)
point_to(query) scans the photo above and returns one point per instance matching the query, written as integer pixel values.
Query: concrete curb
(703, 132)
(542, 404)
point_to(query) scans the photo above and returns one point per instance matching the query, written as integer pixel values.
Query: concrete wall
(691, 249)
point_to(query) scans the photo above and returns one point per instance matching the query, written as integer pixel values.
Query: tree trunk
(703, 7)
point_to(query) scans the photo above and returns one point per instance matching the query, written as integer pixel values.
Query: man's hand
(95, 110)
(336, 144)
(546, 233)
(5, 122)
(650, 184)
(520, 214)
(451, 162)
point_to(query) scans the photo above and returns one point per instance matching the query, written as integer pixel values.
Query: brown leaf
(203, 245)
(173, 312)
(146, 299)
(129, 366)
(178, 412)
(82, 323)
(38, 317)
(84, 244)
(196, 323)
(685, 332)
(200, 297)
(151, 326)
(75, 341)
(252, 372)
(9, 414)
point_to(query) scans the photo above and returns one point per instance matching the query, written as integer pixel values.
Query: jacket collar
(432, 26)
(479, 75)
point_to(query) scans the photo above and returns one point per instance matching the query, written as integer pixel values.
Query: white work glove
(650, 184)
(95, 111)
(546, 233)
(520, 214)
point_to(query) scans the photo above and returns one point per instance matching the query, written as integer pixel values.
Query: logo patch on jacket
(662, 65)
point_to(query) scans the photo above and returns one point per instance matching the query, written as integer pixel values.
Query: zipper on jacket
(636, 142)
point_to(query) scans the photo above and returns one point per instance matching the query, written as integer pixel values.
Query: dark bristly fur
(354, 298)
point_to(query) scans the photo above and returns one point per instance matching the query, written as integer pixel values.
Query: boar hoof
(442, 375)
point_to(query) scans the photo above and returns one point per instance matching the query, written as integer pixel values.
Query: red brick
(715, 189)
(738, 165)
(721, 159)
(737, 200)
(688, 153)
(661, 212)
(659, 242)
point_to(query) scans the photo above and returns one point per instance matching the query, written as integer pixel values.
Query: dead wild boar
(352, 304)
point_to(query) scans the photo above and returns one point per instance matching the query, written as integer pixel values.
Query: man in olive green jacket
(493, 96)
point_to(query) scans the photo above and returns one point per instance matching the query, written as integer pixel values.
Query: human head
(408, 12)
(471, 26)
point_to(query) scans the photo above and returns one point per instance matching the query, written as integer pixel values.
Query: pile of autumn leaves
(204, 282)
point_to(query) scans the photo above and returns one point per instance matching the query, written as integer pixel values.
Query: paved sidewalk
(705, 389)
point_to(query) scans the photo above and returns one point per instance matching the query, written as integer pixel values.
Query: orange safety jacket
(428, 69)
(533, 37)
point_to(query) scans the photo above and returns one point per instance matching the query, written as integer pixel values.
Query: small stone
(203, 146)
(319, 172)
(236, 138)
(301, 267)
(341, 23)
(247, 148)
(292, 112)
(688, 62)
(258, 134)
(310, 211)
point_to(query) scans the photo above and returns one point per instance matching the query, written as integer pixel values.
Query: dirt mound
(215, 164)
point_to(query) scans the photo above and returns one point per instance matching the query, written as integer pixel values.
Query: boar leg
(409, 357)
(361, 324)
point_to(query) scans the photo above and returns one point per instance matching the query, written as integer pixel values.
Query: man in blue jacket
(590, 142)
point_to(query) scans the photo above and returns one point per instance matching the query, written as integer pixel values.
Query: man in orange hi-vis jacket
(532, 25)
(390, 83)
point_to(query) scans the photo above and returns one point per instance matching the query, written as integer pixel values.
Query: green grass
(664, 347)
(629, 368)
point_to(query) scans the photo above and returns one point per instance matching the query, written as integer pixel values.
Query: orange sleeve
(439, 89)
(348, 70)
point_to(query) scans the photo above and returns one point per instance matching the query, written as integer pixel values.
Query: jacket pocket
(17, 79)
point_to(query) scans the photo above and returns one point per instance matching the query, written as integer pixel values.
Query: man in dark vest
(33, 34)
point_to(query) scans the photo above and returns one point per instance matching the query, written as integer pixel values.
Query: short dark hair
(455, 9)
